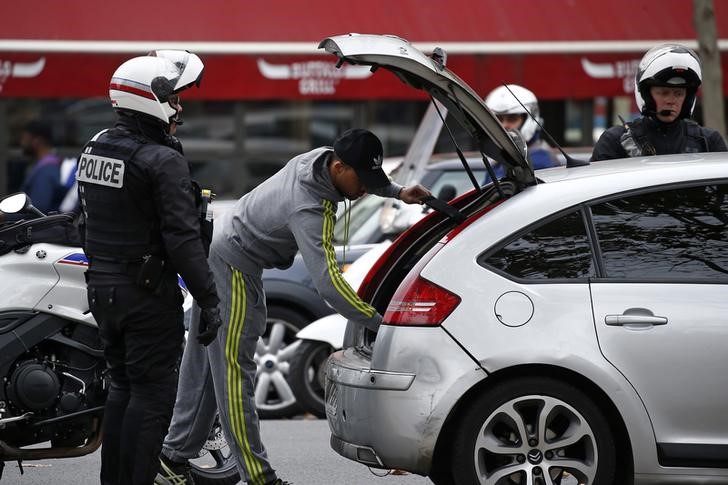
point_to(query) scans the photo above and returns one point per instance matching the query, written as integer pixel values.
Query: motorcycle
(54, 381)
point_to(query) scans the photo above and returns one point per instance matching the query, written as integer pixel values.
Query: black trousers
(143, 334)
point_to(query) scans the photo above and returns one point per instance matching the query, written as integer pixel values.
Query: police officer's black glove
(210, 322)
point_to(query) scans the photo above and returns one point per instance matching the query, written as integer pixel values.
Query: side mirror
(20, 202)
(12, 204)
(388, 216)
(405, 217)
(447, 193)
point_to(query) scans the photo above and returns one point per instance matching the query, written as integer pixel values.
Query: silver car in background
(565, 330)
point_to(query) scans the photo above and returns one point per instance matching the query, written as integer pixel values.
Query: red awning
(249, 77)
(310, 21)
(267, 50)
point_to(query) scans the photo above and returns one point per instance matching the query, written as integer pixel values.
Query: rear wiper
(442, 206)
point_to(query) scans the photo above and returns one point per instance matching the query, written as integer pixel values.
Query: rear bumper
(387, 412)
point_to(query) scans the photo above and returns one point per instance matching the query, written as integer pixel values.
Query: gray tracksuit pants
(222, 377)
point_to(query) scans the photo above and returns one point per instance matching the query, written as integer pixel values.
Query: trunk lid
(431, 75)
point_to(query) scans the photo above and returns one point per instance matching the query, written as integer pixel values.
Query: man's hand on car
(413, 194)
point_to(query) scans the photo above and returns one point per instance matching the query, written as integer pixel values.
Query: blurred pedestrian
(666, 86)
(43, 180)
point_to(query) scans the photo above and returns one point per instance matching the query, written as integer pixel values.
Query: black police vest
(693, 141)
(116, 198)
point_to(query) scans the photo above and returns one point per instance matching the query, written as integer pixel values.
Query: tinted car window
(668, 234)
(555, 250)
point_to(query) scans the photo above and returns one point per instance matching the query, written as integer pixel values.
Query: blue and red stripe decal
(75, 259)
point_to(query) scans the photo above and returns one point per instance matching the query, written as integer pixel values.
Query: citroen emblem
(535, 457)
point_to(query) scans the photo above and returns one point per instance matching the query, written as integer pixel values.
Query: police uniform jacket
(137, 200)
(658, 138)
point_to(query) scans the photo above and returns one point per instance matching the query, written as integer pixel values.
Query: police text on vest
(101, 170)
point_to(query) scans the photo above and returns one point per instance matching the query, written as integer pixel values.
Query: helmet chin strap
(177, 119)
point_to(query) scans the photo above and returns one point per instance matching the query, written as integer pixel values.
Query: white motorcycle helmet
(501, 101)
(144, 84)
(670, 65)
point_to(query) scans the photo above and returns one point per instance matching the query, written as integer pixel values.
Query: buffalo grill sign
(313, 77)
(249, 77)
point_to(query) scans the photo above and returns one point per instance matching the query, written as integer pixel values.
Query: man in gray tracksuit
(294, 210)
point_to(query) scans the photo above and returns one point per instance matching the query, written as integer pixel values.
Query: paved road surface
(299, 449)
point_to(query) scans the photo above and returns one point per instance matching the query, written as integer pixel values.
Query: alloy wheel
(536, 440)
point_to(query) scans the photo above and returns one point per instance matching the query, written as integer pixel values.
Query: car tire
(490, 447)
(308, 375)
(274, 398)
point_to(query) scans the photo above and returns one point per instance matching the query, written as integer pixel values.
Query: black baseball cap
(362, 151)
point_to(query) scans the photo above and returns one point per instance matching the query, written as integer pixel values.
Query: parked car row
(562, 327)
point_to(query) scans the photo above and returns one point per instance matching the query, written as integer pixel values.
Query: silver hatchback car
(569, 329)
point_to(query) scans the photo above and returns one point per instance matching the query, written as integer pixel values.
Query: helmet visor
(189, 66)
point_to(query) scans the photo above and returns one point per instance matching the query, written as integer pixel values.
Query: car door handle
(635, 316)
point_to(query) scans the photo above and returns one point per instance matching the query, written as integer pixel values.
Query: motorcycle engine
(60, 386)
(33, 386)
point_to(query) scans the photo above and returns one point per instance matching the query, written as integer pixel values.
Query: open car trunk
(406, 251)
(430, 74)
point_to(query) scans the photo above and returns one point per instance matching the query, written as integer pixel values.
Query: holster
(150, 272)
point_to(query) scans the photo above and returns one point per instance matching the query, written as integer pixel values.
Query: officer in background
(517, 109)
(141, 229)
(666, 85)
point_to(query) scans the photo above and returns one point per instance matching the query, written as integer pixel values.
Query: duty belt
(108, 265)
(149, 272)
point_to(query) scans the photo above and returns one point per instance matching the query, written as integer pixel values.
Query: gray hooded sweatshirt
(294, 210)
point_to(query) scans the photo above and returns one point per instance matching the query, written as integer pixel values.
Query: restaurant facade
(269, 93)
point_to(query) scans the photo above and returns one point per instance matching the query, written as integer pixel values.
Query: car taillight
(418, 301)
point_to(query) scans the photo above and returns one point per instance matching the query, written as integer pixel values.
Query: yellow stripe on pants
(235, 378)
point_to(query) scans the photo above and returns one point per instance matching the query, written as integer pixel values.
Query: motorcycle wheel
(216, 464)
(308, 375)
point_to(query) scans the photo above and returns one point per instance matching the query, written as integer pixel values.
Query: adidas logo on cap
(377, 162)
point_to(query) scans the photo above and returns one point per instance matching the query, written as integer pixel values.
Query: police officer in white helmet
(138, 205)
(666, 86)
(503, 101)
